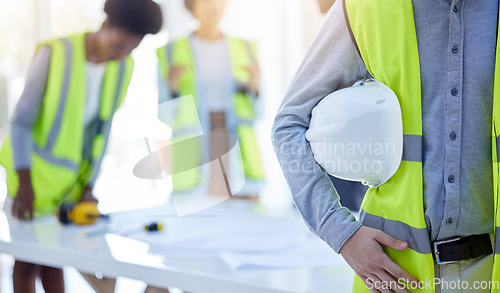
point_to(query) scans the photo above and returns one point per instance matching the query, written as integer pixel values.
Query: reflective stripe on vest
(384, 32)
(58, 170)
(417, 238)
(242, 54)
(46, 152)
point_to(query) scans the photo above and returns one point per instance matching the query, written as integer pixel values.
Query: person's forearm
(22, 207)
(313, 193)
(331, 63)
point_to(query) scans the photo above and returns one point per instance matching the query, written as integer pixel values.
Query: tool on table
(82, 213)
(113, 228)
(153, 227)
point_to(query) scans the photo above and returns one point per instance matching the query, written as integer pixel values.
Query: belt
(462, 248)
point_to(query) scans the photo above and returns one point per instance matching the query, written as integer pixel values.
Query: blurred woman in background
(222, 75)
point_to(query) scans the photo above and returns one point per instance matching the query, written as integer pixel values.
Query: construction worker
(435, 216)
(62, 122)
(222, 74)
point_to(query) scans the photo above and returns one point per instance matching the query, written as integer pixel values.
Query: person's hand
(254, 83)
(364, 254)
(174, 74)
(88, 195)
(22, 207)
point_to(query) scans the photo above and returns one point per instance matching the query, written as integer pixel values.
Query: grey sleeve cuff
(28, 109)
(313, 192)
(338, 228)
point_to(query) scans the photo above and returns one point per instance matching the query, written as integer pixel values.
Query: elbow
(275, 132)
(282, 135)
(17, 126)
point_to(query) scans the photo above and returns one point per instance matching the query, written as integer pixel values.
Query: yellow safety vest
(180, 53)
(58, 172)
(384, 32)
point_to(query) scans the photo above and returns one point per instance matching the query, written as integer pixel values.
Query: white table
(46, 242)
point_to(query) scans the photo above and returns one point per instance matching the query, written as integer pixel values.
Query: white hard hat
(356, 133)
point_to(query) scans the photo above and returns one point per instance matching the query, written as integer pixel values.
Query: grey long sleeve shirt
(456, 40)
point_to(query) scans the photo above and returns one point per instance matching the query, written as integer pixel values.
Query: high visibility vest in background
(384, 31)
(180, 53)
(58, 171)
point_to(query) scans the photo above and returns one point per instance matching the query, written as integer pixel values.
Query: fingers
(93, 199)
(395, 270)
(22, 210)
(394, 284)
(16, 211)
(390, 241)
(369, 283)
(375, 284)
(25, 213)
(28, 215)
(383, 282)
(389, 265)
(363, 252)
